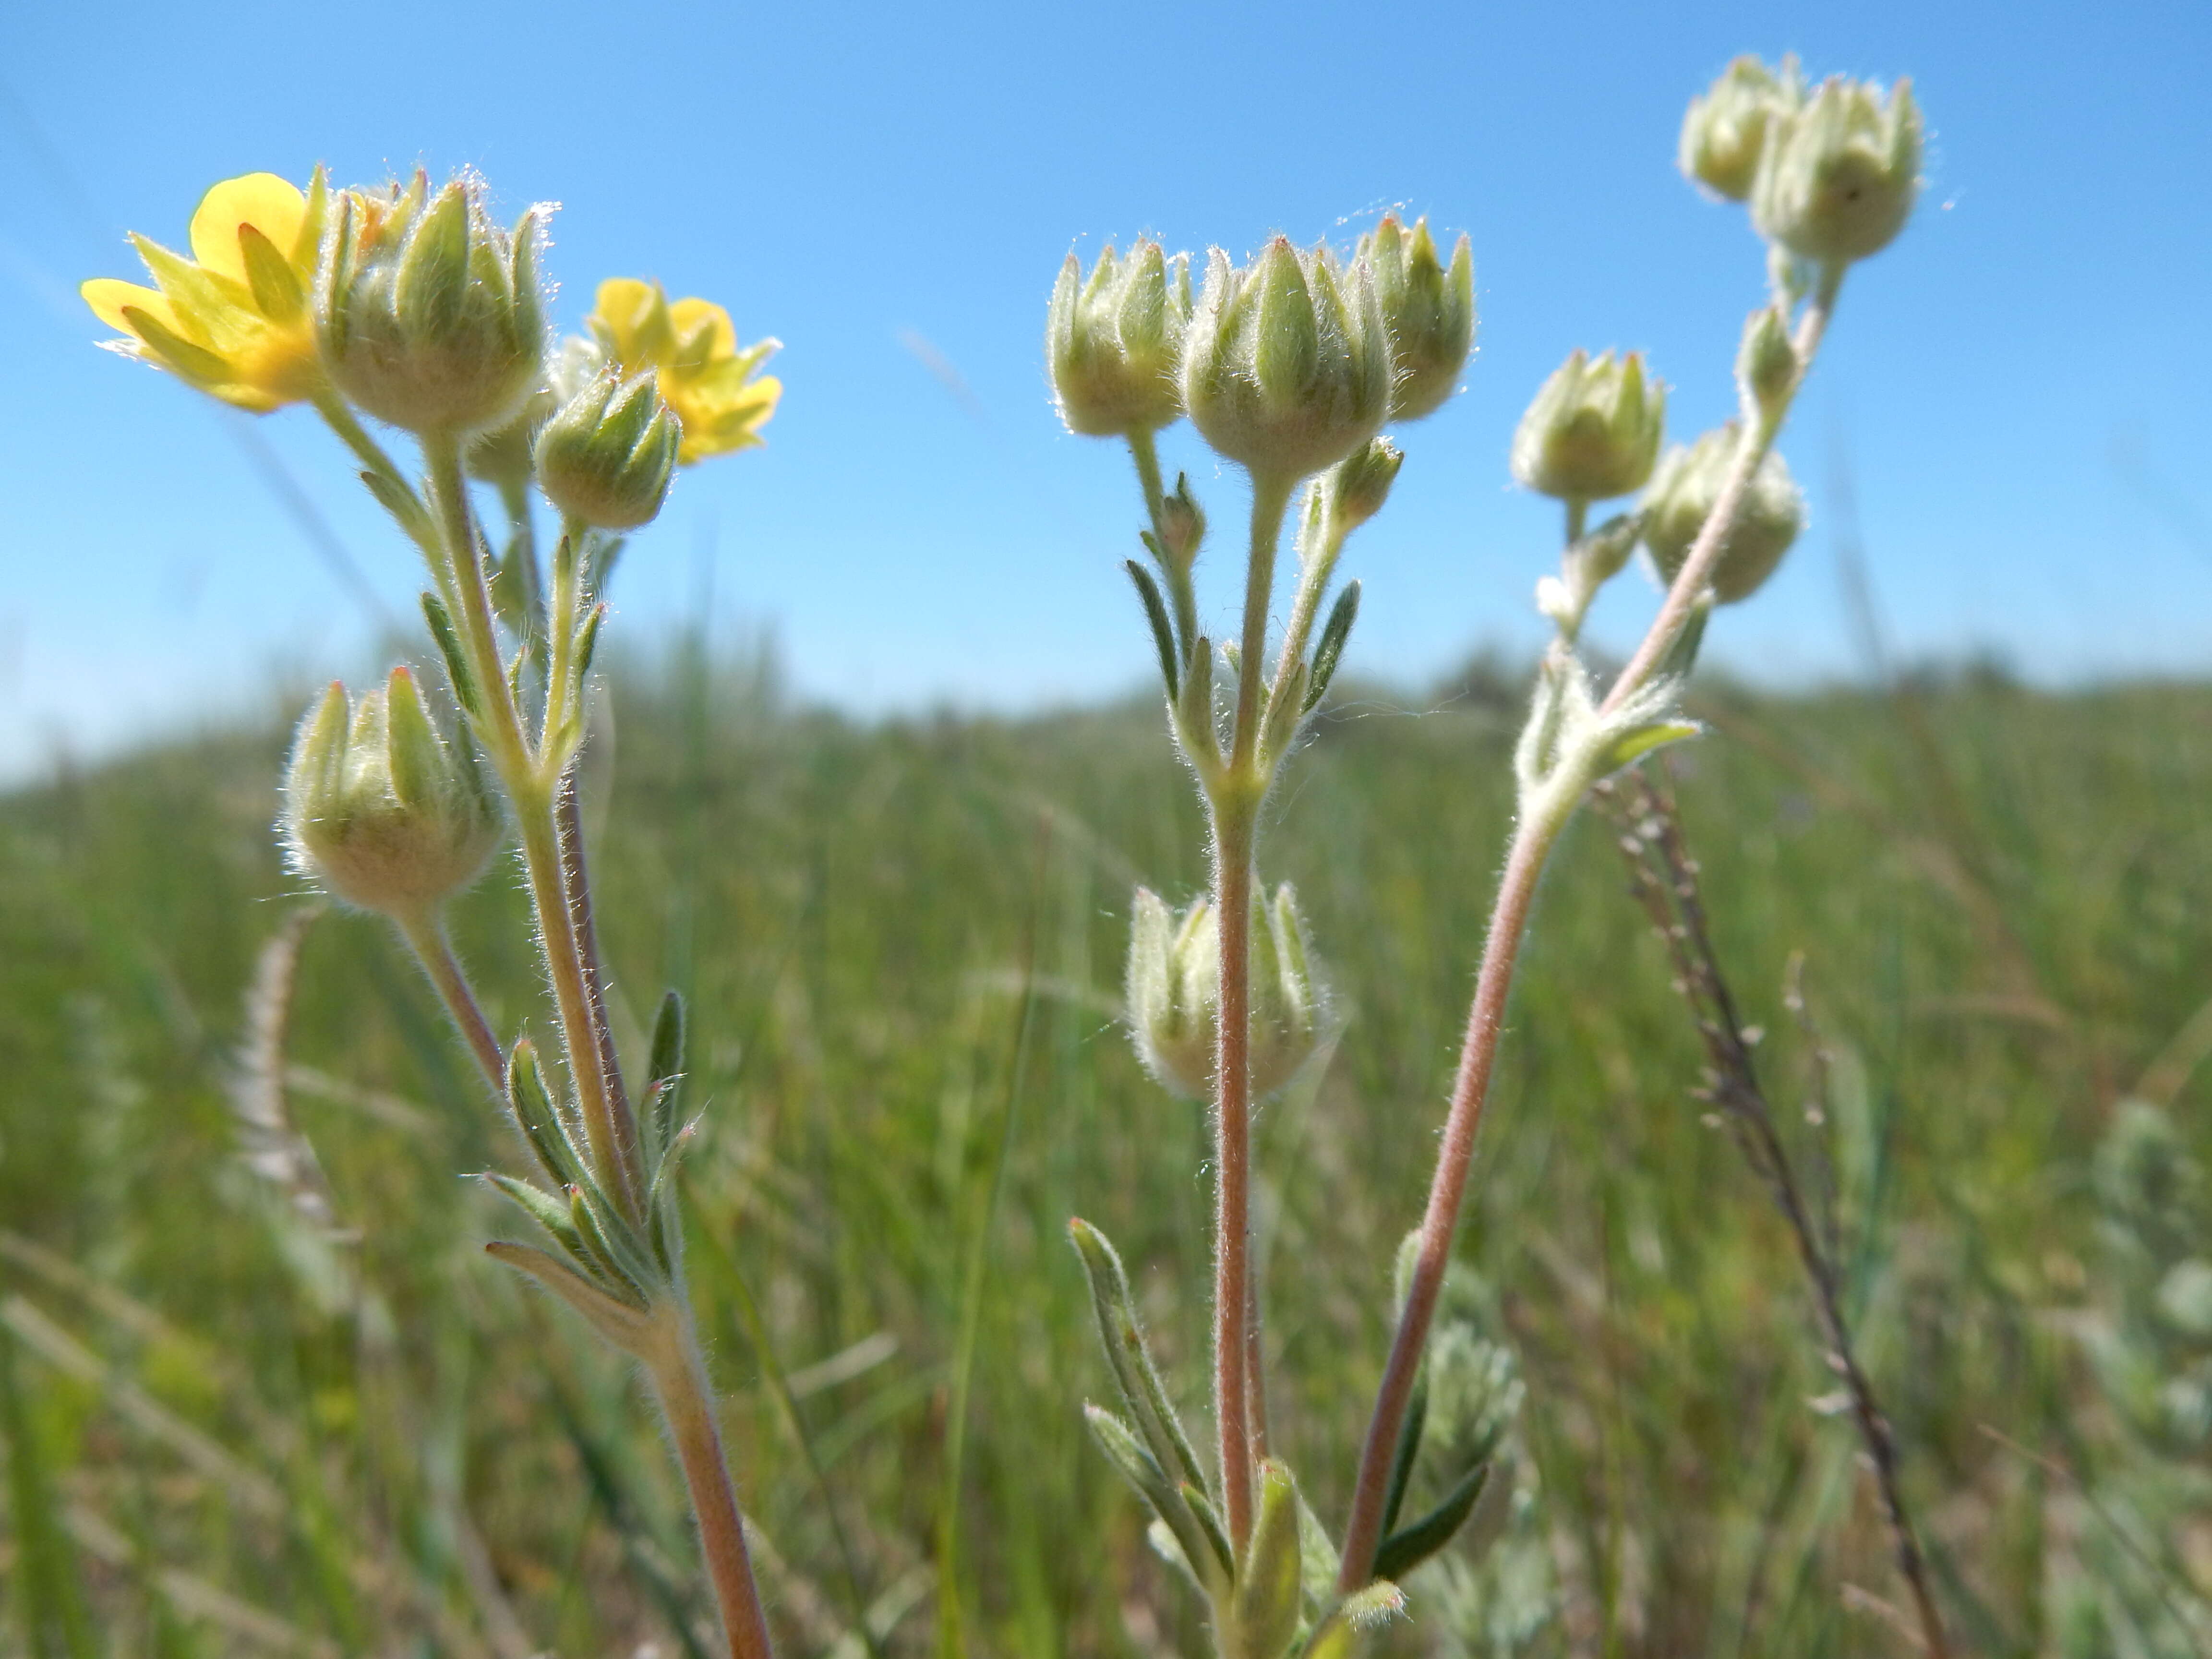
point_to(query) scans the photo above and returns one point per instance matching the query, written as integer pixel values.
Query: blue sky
(2017, 391)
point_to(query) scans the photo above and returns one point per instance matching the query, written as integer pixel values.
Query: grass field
(282, 1404)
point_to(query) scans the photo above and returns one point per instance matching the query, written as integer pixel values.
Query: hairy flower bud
(1767, 364)
(431, 317)
(1359, 485)
(1593, 429)
(1839, 173)
(1725, 131)
(1682, 496)
(380, 809)
(1111, 343)
(1174, 991)
(607, 455)
(1286, 367)
(1430, 312)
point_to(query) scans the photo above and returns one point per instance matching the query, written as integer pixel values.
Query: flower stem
(680, 1382)
(425, 935)
(1757, 437)
(1533, 840)
(1144, 450)
(1234, 806)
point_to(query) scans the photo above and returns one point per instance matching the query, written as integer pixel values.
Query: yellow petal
(108, 295)
(627, 307)
(273, 206)
(703, 331)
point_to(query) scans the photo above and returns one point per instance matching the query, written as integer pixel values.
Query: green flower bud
(1767, 364)
(1593, 431)
(1174, 993)
(380, 809)
(1111, 343)
(1839, 173)
(607, 456)
(1286, 367)
(1360, 484)
(1429, 311)
(1682, 496)
(1725, 131)
(430, 316)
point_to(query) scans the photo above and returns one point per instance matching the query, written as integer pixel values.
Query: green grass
(293, 1408)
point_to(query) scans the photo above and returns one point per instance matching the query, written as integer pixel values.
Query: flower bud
(1286, 367)
(1682, 496)
(431, 317)
(607, 456)
(1111, 343)
(1174, 993)
(1430, 312)
(1839, 174)
(1593, 431)
(1359, 485)
(1725, 131)
(1767, 364)
(382, 810)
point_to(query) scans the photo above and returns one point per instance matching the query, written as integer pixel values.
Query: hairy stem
(1757, 437)
(1236, 1323)
(1533, 840)
(680, 1382)
(426, 936)
(576, 882)
(613, 1152)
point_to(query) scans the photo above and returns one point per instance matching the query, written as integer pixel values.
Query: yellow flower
(236, 321)
(704, 377)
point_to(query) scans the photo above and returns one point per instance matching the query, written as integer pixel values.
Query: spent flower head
(1428, 308)
(606, 457)
(708, 380)
(1112, 342)
(1287, 366)
(1725, 131)
(431, 316)
(234, 320)
(1683, 494)
(1838, 172)
(380, 809)
(1593, 429)
(1174, 991)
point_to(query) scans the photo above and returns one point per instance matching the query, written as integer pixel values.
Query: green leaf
(536, 1117)
(664, 1072)
(630, 1329)
(448, 641)
(44, 1585)
(1330, 650)
(1137, 1466)
(1142, 1392)
(1404, 1549)
(1270, 1589)
(1409, 1447)
(1156, 612)
(547, 1211)
(1639, 741)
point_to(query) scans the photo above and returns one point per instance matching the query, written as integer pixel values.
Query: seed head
(1838, 172)
(1682, 496)
(1593, 429)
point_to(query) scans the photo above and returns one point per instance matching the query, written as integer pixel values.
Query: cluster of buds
(380, 809)
(1286, 365)
(1174, 993)
(1683, 494)
(1830, 174)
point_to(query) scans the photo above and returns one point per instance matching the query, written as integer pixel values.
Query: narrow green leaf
(1633, 746)
(1409, 1447)
(279, 294)
(664, 1072)
(1330, 649)
(1130, 1360)
(1156, 612)
(1137, 1466)
(448, 642)
(1404, 1549)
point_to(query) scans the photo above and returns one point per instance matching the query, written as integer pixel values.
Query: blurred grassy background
(282, 1404)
